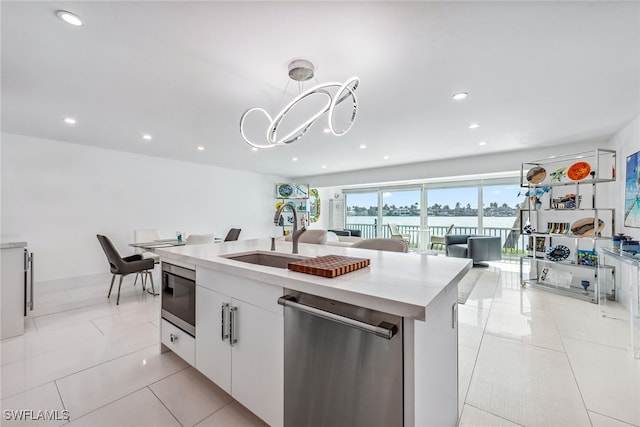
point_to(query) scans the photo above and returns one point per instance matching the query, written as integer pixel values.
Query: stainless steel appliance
(16, 287)
(179, 297)
(342, 364)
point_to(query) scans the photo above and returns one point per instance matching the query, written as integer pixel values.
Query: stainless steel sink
(269, 259)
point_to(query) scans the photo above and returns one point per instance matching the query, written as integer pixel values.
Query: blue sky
(445, 196)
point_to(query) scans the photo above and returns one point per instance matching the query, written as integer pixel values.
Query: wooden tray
(329, 265)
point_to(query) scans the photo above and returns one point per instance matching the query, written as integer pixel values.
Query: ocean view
(458, 221)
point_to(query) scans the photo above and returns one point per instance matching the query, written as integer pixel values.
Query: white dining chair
(198, 239)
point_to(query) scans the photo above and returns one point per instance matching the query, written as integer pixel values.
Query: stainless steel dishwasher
(342, 364)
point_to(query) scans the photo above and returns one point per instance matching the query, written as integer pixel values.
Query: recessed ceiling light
(254, 149)
(482, 143)
(552, 157)
(474, 125)
(70, 18)
(459, 96)
(324, 166)
(579, 157)
(146, 137)
(386, 157)
(362, 146)
(200, 148)
(70, 120)
(295, 159)
(326, 130)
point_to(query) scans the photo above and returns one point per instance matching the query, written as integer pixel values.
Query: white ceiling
(538, 74)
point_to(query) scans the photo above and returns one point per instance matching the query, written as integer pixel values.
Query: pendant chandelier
(335, 93)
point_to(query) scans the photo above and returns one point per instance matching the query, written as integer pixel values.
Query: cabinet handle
(232, 326)
(454, 315)
(173, 338)
(224, 314)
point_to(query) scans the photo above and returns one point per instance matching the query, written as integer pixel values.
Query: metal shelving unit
(561, 191)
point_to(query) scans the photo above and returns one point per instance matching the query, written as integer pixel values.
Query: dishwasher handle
(383, 330)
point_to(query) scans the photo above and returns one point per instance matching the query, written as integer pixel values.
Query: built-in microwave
(179, 297)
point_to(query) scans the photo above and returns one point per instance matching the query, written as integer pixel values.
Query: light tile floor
(526, 358)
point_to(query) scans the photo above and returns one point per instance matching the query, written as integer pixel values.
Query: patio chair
(439, 240)
(395, 233)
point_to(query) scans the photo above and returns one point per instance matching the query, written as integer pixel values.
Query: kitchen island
(248, 362)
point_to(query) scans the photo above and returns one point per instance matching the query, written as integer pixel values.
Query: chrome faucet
(295, 235)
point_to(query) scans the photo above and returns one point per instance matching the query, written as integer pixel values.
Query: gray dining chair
(143, 236)
(233, 234)
(124, 266)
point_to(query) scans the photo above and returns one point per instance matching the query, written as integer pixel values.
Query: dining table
(164, 243)
(156, 244)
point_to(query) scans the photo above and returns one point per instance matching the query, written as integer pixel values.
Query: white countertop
(404, 284)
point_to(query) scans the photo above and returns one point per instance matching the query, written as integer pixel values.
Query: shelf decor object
(536, 175)
(558, 253)
(298, 197)
(333, 93)
(585, 227)
(572, 228)
(632, 191)
(314, 205)
(579, 171)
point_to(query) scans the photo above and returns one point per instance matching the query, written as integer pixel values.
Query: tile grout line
(78, 322)
(160, 400)
(81, 370)
(566, 355)
(113, 401)
(96, 326)
(216, 411)
(62, 400)
(609, 416)
(475, 361)
(495, 415)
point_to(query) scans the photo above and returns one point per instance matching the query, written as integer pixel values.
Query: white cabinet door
(258, 362)
(436, 364)
(12, 292)
(213, 354)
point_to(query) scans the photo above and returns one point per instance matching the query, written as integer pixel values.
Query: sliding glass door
(362, 213)
(414, 213)
(401, 214)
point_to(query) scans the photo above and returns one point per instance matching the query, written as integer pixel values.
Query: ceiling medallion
(302, 70)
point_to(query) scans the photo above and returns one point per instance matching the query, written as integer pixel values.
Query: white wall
(57, 196)
(625, 142)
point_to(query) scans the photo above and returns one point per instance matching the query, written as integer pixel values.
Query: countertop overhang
(405, 284)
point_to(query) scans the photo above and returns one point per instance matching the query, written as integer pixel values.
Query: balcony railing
(513, 243)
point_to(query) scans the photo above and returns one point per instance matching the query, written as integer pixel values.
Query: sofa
(477, 248)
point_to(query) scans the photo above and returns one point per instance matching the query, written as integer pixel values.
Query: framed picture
(632, 192)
